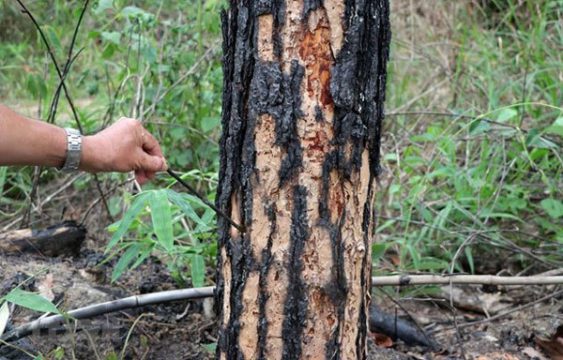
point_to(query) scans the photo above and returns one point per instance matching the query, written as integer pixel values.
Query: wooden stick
(401, 280)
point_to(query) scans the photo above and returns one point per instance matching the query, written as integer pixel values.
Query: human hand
(124, 146)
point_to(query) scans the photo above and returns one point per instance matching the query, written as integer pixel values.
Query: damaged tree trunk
(304, 86)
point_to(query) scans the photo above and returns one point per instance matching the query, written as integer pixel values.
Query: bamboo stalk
(108, 307)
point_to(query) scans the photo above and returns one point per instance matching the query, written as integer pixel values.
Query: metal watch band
(73, 150)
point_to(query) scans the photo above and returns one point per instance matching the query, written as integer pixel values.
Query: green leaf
(3, 172)
(31, 301)
(469, 257)
(133, 11)
(103, 5)
(534, 139)
(162, 219)
(138, 204)
(125, 260)
(197, 270)
(4, 317)
(210, 348)
(144, 254)
(478, 126)
(487, 213)
(112, 36)
(506, 114)
(182, 201)
(209, 123)
(553, 207)
(54, 39)
(377, 251)
(430, 263)
(556, 128)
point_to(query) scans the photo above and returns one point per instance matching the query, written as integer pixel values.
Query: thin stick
(395, 280)
(205, 201)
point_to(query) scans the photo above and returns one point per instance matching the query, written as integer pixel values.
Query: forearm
(25, 141)
(125, 146)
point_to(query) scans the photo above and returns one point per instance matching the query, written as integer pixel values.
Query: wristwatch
(73, 150)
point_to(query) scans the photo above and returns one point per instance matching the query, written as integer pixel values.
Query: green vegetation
(472, 167)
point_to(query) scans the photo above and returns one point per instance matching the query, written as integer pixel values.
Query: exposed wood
(60, 239)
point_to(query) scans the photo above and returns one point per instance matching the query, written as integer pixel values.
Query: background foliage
(472, 143)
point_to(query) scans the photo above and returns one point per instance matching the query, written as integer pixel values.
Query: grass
(471, 155)
(473, 166)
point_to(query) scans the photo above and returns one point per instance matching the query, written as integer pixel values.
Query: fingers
(149, 143)
(151, 163)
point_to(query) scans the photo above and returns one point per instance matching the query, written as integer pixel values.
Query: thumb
(152, 163)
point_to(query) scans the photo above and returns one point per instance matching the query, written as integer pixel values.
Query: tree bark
(304, 86)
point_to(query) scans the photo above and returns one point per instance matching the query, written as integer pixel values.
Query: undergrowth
(472, 145)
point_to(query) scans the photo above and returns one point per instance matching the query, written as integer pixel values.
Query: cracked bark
(304, 86)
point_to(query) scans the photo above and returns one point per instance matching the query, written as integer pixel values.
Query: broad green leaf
(143, 255)
(31, 301)
(138, 204)
(197, 270)
(4, 316)
(506, 114)
(182, 202)
(162, 219)
(377, 251)
(125, 260)
(556, 128)
(553, 207)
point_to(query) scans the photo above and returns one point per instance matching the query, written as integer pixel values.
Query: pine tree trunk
(302, 108)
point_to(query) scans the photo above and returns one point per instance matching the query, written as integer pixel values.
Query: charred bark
(60, 239)
(304, 86)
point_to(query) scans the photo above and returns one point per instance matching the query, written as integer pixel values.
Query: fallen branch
(61, 239)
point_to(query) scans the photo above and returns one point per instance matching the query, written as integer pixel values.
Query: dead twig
(402, 280)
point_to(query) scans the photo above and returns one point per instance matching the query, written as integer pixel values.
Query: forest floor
(188, 330)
